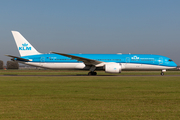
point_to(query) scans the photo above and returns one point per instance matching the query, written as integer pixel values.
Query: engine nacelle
(113, 68)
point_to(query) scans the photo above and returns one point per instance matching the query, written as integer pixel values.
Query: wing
(18, 58)
(85, 60)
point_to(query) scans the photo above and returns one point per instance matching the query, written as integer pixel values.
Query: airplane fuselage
(127, 61)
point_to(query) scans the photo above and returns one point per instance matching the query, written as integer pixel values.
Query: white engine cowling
(113, 68)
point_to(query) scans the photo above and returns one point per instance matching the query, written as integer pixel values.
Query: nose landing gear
(162, 72)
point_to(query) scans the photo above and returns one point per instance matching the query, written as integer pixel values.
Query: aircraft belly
(126, 66)
(132, 66)
(58, 65)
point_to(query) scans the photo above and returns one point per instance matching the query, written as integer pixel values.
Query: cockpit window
(170, 60)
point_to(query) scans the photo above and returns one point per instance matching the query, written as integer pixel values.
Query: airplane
(110, 63)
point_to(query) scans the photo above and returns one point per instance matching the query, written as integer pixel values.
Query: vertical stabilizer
(24, 47)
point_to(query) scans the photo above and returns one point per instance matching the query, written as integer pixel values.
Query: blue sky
(92, 26)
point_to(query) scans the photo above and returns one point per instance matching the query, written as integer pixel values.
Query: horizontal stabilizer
(18, 58)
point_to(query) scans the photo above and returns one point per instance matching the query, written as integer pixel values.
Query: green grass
(84, 97)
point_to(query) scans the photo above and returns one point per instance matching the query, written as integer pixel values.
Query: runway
(78, 75)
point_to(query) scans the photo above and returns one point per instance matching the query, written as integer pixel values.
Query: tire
(90, 73)
(162, 73)
(94, 73)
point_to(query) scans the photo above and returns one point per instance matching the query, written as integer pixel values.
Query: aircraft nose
(174, 64)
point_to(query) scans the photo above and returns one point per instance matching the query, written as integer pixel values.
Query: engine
(113, 68)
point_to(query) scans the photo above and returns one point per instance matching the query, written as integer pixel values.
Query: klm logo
(135, 57)
(24, 47)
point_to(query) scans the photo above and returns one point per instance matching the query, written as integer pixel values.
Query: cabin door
(42, 59)
(160, 60)
(127, 60)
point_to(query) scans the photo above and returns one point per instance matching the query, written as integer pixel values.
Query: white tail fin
(24, 47)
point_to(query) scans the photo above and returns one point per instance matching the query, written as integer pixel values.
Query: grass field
(80, 72)
(94, 97)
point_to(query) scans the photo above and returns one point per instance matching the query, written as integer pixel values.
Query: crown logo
(135, 57)
(24, 45)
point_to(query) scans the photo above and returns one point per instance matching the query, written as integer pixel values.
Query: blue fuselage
(117, 58)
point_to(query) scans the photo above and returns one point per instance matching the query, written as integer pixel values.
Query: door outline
(160, 60)
(42, 59)
(127, 60)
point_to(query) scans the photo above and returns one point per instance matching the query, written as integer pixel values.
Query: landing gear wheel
(92, 73)
(162, 73)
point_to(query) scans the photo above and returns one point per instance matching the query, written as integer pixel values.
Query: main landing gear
(92, 69)
(92, 73)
